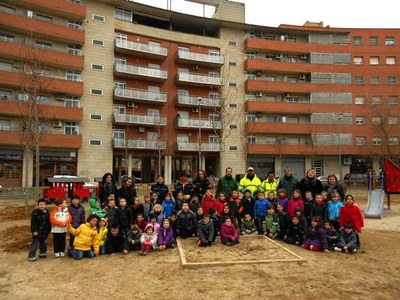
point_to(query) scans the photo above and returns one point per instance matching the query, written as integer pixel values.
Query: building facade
(138, 90)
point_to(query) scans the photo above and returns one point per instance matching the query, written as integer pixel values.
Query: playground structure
(62, 187)
(390, 185)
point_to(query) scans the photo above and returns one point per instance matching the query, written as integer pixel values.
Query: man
(184, 186)
(226, 184)
(270, 184)
(288, 182)
(250, 182)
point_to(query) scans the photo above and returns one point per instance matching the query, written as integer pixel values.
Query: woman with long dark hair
(127, 191)
(107, 187)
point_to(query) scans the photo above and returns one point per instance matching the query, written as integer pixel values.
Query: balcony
(196, 123)
(194, 101)
(205, 147)
(25, 25)
(142, 50)
(301, 128)
(139, 144)
(132, 71)
(198, 79)
(186, 57)
(141, 120)
(47, 57)
(140, 95)
(14, 78)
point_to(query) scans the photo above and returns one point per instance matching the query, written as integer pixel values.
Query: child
(282, 199)
(205, 232)
(166, 236)
(173, 224)
(271, 198)
(324, 195)
(133, 238)
(146, 207)
(116, 241)
(40, 228)
(199, 214)
(248, 204)
(295, 202)
(148, 240)
(154, 198)
(214, 219)
(315, 238)
(186, 222)
(295, 232)
(86, 242)
(319, 208)
(351, 213)
(208, 201)
(347, 240)
(103, 231)
(60, 218)
(303, 221)
(194, 203)
(77, 212)
(95, 208)
(332, 235)
(135, 207)
(308, 202)
(271, 225)
(168, 206)
(334, 207)
(248, 227)
(225, 214)
(123, 216)
(236, 207)
(111, 211)
(229, 235)
(157, 211)
(260, 211)
(154, 221)
(140, 222)
(180, 199)
(220, 203)
(284, 220)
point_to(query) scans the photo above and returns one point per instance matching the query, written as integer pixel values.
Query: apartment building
(135, 89)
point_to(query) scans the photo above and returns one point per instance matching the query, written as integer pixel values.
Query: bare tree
(161, 140)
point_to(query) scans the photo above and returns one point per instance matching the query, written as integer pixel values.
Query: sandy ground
(372, 273)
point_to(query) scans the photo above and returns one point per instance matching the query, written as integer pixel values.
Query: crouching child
(347, 239)
(133, 237)
(148, 240)
(165, 236)
(205, 232)
(116, 241)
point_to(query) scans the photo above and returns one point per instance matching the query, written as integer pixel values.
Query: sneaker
(43, 255)
(337, 249)
(57, 254)
(199, 243)
(31, 259)
(141, 252)
(146, 252)
(311, 247)
(354, 251)
(62, 254)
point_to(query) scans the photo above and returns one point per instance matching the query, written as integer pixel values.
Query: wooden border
(186, 264)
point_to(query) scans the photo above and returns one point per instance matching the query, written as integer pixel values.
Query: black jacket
(296, 232)
(115, 243)
(186, 220)
(248, 206)
(161, 190)
(124, 217)
(40, 222)
(127, 194)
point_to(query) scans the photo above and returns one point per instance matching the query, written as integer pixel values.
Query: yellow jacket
(86, 237)
(268, 186)
(103, 236)
(251, 185)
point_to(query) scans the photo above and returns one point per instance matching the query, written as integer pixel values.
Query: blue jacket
(334, 209)
(260, 208)
(168, 208)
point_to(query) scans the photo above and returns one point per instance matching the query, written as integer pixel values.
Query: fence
(19, 192)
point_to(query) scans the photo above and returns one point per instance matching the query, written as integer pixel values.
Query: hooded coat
(206, 231)
(316, 237)
(95, 210)
(86, 237)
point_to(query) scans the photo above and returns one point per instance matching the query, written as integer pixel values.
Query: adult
(333, 185)
(127, 191)
(310, 183)
(160, 188)
(250, 182)
(184, 186)
(201, 184)
(288, 182)
(226, 184)
(107, 187)
(270, 184)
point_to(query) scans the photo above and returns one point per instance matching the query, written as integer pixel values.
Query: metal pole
(340, 149)
(199, 101)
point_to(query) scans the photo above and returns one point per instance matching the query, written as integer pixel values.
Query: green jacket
(226, 185)
(271, 224)
(95, 210)
(251, 185)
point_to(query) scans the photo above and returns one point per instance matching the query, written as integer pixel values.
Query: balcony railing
(141, 71)
(198, 79)
(139, 144)
(196, 123)
(140, 119)
(150, 49)
(200, 58)
(133, 94)
(187, 100)
(205, 147)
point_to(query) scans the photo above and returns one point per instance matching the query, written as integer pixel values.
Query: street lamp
(199, 135)
(339, 118)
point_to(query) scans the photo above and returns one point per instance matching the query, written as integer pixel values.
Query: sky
(335, 13)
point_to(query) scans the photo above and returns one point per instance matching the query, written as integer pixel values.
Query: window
(6, 37)
(98, 92)
(389, 41)
(360, 141)
(74, 49)
(97, 42)
(359, 80)
(375, 79)
(357, 40)
(251, 139)
(376, 120)
(43, 99)
(270, 78)
(374, 60)
(393, 140)
(97, 67)
(96, 117)
(45, 72)
(360, 120)
(211, 74)
(391, 80)
(251, 118)
(250, 55)
(233, 148)
(373, 41)
(358, 60)
(8, 9)
(22, 97)
(43, 45)
(271, 140)
(44, 18)
(391, 60)
(124, 15)
(5, 124)
(213, 95)
(393, 100)
(74, 24)
(71, 128)
(376, 100)
(393, 120)
(233, 105)
(270, 119)
(5, 95)
(250, 76)
(232, 84)
(29, 14)
(377, 141)
(232, 64)
(119, 109)
(232, 43)
(72, 101)
(5, 66)
(359, 100)
(118, 134)
(233, 126)
(98, 18)
(95, 142)
(11, 170)
(73, 75)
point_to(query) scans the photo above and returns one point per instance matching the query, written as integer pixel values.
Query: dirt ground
(372, 273)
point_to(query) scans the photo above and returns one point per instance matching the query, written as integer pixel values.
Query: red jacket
(207, 203)
(219, 206)
(352, 214)
(292, 205)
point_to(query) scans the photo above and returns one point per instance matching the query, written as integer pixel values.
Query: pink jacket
(228, 232)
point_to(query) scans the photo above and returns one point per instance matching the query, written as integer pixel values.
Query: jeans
(79, 254)
(102, 250)
(38, 241)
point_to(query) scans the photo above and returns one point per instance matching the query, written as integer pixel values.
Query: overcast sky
(338, 13)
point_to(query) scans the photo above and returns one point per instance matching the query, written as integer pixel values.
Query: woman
(107, 187)
(201, 184)
(310, 183)
(334, 185)
(127, 191)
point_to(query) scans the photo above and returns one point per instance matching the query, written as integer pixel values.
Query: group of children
(318, 224)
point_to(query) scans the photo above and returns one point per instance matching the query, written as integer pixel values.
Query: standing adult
(288, 182)
(310, 183)
(201, 184)
(107, 187)
(333, 185)
(226, 184)
(270, 184)
(250, 182)
(127, 191)
(184, 186)
(160, 188)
